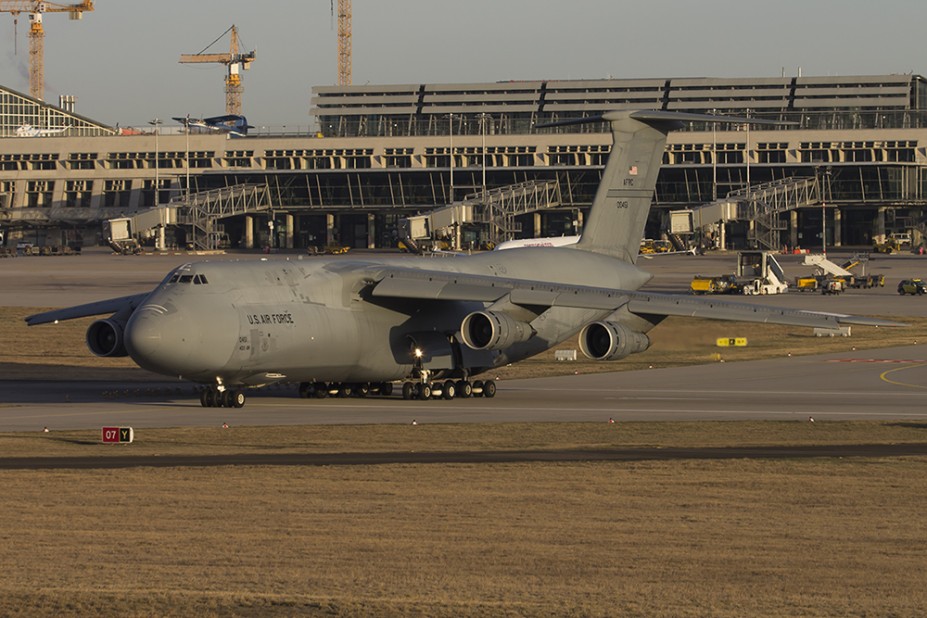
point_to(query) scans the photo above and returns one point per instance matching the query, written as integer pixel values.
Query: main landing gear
(212, 397)
(418, 389)
(321, 390)
(449, 389)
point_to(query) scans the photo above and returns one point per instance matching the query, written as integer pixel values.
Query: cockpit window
(194, 278)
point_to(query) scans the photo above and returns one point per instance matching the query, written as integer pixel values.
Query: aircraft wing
(440, 285)
(82, 311)
(449, 286)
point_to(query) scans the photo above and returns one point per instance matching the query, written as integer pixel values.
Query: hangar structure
(852, 161)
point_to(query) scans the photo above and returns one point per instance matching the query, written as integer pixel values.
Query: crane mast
(235, 61)
(344, 42)
(36, 8)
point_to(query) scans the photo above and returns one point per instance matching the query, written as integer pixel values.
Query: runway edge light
(118, 435)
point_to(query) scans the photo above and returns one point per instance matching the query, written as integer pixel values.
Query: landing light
(418, 352)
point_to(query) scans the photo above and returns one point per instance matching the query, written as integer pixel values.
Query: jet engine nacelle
(611, 341)
(106, 338)
(493, 330)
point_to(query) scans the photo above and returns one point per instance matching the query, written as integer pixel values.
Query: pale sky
(121, 60)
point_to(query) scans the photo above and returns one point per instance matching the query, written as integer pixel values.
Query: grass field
(818, 537)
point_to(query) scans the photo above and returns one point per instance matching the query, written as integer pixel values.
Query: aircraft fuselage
(251, 323)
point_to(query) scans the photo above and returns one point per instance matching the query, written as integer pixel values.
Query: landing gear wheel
(345, 390)
(425, 392)
(478, 388)
(450, 389)
(203, 400)
(362, 390)
(464, 389)
(489, 388)
(386, 389)
(225, 399)
(408, 391)
(238, 399)
(212, 397)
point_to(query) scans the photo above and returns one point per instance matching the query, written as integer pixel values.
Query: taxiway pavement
(886, 384)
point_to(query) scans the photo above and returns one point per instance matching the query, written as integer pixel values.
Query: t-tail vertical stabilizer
(616, 221)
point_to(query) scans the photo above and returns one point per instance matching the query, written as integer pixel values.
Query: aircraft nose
(160, 340)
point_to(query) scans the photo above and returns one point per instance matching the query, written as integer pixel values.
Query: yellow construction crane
(35, 8)
(344, 41)
(235, 62)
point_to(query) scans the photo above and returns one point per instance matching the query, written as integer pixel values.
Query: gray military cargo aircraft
(344, 325)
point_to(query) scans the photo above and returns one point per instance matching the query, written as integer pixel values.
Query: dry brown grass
(737, 538)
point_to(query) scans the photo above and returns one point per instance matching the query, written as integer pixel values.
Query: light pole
(483, 132)
(824, 187)
(450, 122)
(156, 122)
(747, 155)
(493, 233)
(714, 160)
(186, 125)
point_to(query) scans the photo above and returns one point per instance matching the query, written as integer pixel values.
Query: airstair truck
(760, 273)
(827, 272)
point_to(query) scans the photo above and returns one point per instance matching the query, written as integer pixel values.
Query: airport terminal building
(850, 158)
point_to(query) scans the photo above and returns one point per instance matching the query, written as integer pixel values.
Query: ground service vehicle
(761, 273)
(723, 284)
(888, 247)
(912, 286)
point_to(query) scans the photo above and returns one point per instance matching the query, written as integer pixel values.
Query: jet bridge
(497, 210)
(502, 205)
(761, 205)
(199, 212)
